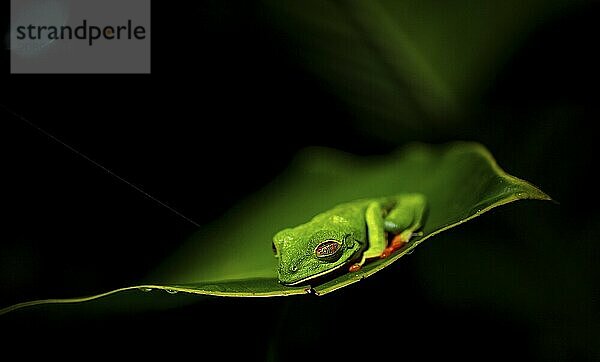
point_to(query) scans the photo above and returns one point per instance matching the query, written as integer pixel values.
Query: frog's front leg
(406, 217)
(375, 234)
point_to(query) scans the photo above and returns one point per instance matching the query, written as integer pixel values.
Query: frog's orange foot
(397, 243)
(354, 267)
(387, 252)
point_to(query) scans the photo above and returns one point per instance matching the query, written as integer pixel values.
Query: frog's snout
(289, 275)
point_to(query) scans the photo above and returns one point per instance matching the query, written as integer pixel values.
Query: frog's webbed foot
(356, 266)
(398, 242)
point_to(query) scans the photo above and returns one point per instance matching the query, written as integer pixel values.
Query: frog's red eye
(328, 249)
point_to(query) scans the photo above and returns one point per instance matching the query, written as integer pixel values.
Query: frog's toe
(354, 267)
(387, 252)
(398, 241)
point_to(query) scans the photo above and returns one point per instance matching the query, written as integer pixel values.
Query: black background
(225, 109)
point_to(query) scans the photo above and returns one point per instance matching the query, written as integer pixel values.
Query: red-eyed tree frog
(347, 236)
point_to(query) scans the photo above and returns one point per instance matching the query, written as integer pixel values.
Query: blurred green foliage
(408, 69)
(521, 283)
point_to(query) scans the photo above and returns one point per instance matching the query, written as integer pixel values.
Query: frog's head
(306, 254)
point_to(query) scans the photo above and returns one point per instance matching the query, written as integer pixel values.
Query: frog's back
(360, 206)
(347, 215)
(353, 210)
(347, 218)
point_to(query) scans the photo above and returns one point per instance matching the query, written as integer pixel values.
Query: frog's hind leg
(376, 235)
(403, 220)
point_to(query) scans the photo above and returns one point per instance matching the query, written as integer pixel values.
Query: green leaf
(461, 181)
